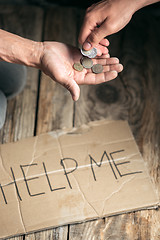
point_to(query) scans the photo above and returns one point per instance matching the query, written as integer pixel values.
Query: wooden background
(134, 96)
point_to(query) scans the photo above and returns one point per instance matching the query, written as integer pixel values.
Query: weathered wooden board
(134, 96)
(27, 22)
(55, 103)
(56, 107)
(20, 121)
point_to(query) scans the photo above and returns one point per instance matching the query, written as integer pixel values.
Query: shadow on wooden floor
(134, 96)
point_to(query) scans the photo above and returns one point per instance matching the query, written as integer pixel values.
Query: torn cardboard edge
(85, 221)
(110, 155)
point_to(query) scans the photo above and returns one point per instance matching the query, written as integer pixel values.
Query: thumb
(96, 36)
(73, 88)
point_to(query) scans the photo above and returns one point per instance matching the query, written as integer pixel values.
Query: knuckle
(80, 40)
(88, 16)
(66, 85)
(89, 9)
(94, 36)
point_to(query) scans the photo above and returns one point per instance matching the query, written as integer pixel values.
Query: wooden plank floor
(134, 96)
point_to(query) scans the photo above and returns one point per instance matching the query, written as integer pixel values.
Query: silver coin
(86, 62)
(91, 53)
(97, 68)
(78, 67)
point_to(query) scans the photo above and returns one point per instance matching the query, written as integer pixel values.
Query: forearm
(143, 3)
(15, 49)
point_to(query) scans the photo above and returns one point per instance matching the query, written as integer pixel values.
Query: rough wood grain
(20, 120)
(27, 22)
(55, 103)
(52, 234)
(55, 109)
(134, 96)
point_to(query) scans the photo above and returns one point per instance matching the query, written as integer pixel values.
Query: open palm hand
(57, 62)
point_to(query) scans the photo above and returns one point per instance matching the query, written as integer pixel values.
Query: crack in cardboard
(46, 150)
(33, 154)
(20, 212)
(101, 143)
(18, 202)
(59, 144)
(4, 166)
(50, 149)
(84, 197)
(68, 169)
(80, 189)
(113, 193)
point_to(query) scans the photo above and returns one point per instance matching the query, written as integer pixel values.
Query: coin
(97, 68)
(91, 53)
(78, 67)
(86, 62)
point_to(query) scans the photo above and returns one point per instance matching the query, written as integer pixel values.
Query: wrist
(31, 55)
(15, 49)
(143, 3)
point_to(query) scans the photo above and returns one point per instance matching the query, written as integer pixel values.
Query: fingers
(103, 56)
(104, 42)
(115, 67)
(73, 88)
(101, 50)
(109, 64)
(101, 47)
(105, 61)
(86, 30)
(93, 79)
(95, 36)
(112, 67)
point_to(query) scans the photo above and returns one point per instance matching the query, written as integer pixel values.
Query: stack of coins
(86, 61)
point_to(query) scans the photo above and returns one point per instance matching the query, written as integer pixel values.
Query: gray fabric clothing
(3, 108)
(12, 81)
(12, 78)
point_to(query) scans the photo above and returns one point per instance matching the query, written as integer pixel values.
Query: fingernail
(87, 46)
(115, 73)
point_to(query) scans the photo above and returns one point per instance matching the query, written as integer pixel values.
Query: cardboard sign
(70, 176)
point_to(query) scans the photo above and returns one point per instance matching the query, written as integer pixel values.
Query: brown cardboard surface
(72, 175)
